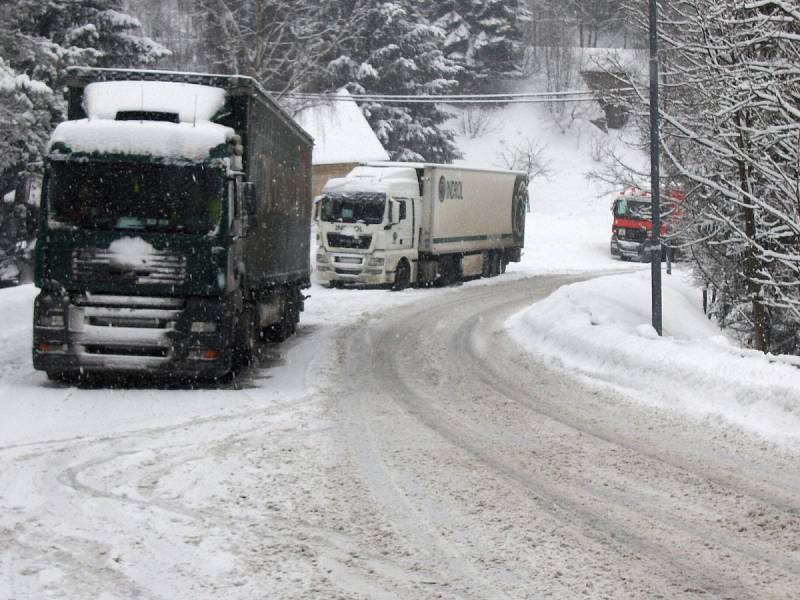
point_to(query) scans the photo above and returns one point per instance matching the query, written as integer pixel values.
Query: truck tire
(64, 377)
(491, 266)
(283, 329)
(246, 341)
(449, 270)
(402, 276)
(488, 264)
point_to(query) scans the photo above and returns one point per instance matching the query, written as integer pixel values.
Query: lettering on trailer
(450, 189)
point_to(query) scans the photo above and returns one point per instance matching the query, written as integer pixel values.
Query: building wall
(320, 174)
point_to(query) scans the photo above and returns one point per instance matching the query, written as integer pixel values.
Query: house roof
(341, 133)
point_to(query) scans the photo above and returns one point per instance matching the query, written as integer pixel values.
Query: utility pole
(655, 175)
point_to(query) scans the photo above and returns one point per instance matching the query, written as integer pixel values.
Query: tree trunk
(760, 326)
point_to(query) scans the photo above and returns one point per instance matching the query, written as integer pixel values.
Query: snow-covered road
(422, 454)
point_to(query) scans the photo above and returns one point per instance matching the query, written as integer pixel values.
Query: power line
(528, 98)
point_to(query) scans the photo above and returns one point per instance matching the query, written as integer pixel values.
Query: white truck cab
(366, 223)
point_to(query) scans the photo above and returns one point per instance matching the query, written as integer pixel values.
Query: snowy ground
(403, 445)
(600, 330)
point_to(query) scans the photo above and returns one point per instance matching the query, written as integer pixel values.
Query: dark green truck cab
(174, 228)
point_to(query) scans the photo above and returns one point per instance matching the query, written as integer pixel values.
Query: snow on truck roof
(147, 138)
(453, 167)
(191, 102)
(192, 105)
(396, 180)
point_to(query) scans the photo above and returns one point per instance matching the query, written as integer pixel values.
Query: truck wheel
(497, 263)
(450, 270)
(402, 276)
(244, 350)
(488, 264)
(65, 377)
(283, 329)
(503, 263)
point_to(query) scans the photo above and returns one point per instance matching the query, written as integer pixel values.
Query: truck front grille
(99, 265)
(635, 235)
(147, 351)
(123, 328)
(337, 240)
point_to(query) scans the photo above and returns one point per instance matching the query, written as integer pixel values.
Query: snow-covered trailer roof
(424, 165)
(77, 78)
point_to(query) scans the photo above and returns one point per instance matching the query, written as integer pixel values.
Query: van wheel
(402, 276)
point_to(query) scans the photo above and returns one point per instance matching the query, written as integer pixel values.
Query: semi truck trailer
(402, 224)
(174, 225)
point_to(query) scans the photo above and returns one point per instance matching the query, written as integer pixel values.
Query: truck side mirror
(392, 217)
(33, 185)
(316, 207)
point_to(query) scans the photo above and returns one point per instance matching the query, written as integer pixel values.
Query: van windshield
(353, 207)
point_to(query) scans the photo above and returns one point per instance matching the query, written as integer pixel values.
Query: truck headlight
(54, 320)
(621, 231)
(322, 257)
(203, 327)
(376, 261)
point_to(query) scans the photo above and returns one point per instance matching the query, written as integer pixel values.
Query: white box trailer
(419, 223)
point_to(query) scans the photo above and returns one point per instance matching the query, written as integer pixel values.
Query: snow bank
(600, 329)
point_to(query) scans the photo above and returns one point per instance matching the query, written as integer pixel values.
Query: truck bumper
(159, 336)
(628, 250)
(353, 269)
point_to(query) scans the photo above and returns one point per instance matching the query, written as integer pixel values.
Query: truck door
(403, 232)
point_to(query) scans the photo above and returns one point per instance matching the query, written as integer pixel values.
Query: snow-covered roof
(341, 133)
(191, 102)
(396, 180)
(191, 138)
(142, 138)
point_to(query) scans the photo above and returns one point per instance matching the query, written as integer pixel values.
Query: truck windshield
(633, 209)
(355, 207)
(122, 196)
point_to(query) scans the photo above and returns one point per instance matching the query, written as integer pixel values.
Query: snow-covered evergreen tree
(284, 44)
(482, 36)
(27, 109)
(398, 52)
(37, 41)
